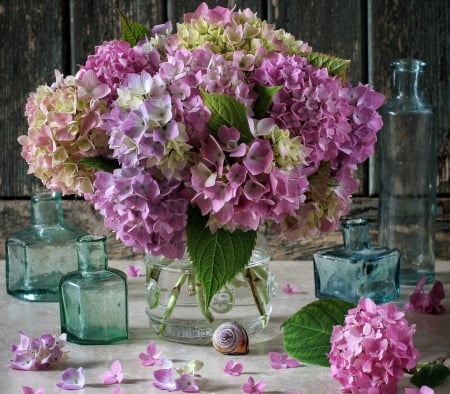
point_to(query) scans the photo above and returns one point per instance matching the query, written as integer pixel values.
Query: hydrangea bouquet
(194, 140)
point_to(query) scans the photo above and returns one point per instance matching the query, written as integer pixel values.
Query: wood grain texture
(416, 29)
(32, 47)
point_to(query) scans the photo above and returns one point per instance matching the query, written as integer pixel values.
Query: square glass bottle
(356, 269)
(94, 299)
(41, 253)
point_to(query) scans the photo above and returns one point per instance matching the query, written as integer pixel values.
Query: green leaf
(132, 32)
(430, 375)
(217, 258)
(100, 163)
(226, 110)
(335, 65)
(307, 333)
(265, 99)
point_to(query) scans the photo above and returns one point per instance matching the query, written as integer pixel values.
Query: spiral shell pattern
(230, 338)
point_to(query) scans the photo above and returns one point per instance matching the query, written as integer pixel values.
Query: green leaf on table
(216, 258)
(335, 65)
(226, 110)
(307, 333)
(265, 99)
(99, 163)
(430, 375)
(132, 32)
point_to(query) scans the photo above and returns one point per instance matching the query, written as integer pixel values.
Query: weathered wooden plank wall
(38, 37)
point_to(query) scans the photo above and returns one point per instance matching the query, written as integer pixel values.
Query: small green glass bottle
(93, 306)
(40, 254)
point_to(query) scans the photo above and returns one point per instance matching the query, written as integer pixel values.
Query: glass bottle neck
(407, 74)
(356, 234)
(92, 253)
(46, 209)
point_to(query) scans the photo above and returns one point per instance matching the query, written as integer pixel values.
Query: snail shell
(230, 338)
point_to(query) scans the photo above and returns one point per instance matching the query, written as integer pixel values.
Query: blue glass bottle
(39, 255)
(356, 269)
(94, 299)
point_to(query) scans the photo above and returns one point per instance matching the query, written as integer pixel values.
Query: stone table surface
(432, 338)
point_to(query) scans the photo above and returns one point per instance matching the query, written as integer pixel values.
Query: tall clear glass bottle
(94, 300)
(40, 254)
(407, 174)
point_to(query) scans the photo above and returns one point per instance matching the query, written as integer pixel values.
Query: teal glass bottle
(356, 269)
(407, 164)
(40, 254)
(94, 299)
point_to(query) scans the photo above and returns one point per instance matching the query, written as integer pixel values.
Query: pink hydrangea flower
(373, 349)
(422, 302)
(233, 368)
(113, 376)
(34, 354)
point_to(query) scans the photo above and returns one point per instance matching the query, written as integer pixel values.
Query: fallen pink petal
(289, 289)
(164, 379)
(151, 357)
(114, 375)
(187, 384)
(133, 270)
(421, 302)
(30, 390)
(422, 390)
(282, 361)
(72, 379)
(233, 368)
(252, 387)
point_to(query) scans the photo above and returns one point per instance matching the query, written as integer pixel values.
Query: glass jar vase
(173, 305)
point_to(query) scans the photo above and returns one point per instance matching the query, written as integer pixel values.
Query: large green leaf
(217, 258)
(430, 375)
(335, 65)
(307, 333)
(132, 32)
(226, 110)
(265, 99)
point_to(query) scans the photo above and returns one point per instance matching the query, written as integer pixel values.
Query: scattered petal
(29, 390)
(233, 368)
(422, 390)
(253, 388)
(191, 368)
(72, 379)
(113, 376)
(282, 361)
(164, 379)
(430, 303)
(117, 390)
(289, 289)
(133, 270)
(187, 384)
(152, 357)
